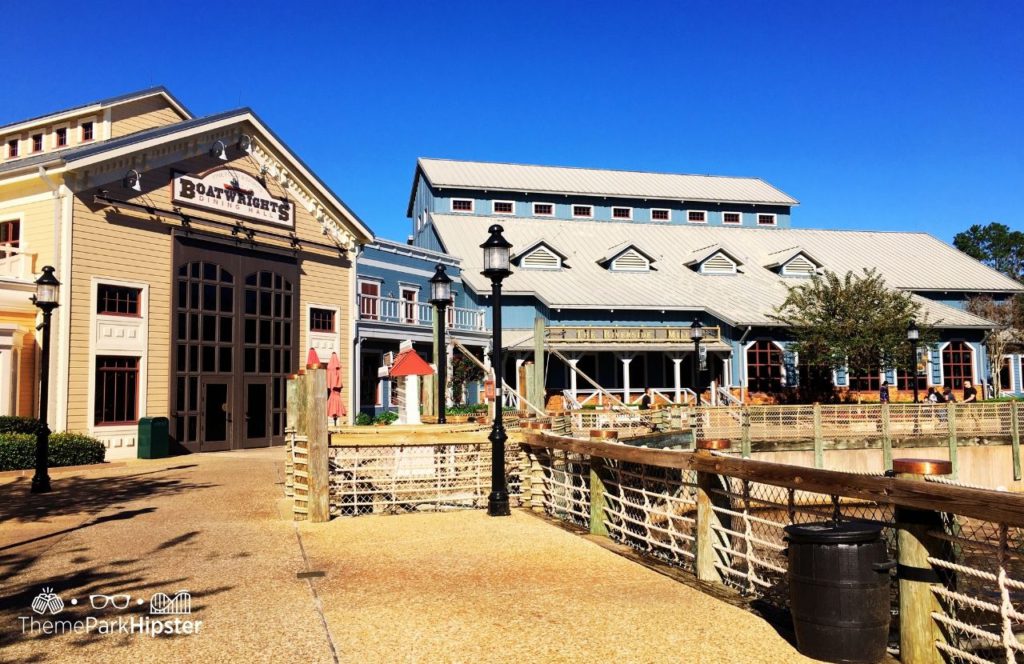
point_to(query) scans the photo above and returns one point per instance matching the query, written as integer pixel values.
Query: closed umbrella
(335, 406)
(312, 359)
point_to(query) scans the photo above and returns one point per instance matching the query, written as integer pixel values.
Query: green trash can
(153, 442)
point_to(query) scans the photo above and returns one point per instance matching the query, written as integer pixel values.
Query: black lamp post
(696, 333)
(47, 289)
(441, 297)
(497, 253)
(913, 334)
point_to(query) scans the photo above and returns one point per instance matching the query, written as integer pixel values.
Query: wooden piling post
(537, 396)
(819, 440)
(951, 422)
(289, 451)
(886, 438)
(708, 497)
(300, 456)
(745, 432)
(597, 497)
(317, 445)
(1015, 439)
(919, 632)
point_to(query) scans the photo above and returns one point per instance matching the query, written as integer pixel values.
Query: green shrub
(18, 450)
(387, 417)
(364, 419)
(467, 409)
(14, 424)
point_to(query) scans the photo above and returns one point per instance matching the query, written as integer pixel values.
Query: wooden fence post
(597, 498)
(300, 449)
(819, 440)
(692, 415)
(951, 422)
(886, 438)
(919, 632)
(317, 445)
(708, 496)
(289, 451)
(745, 432)
(1015, 438)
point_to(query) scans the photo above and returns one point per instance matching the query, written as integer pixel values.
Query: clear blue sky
(875, 115)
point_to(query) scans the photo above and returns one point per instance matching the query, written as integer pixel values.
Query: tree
(994, 245)
(1006, 317)
(463, 371)
(854, 321)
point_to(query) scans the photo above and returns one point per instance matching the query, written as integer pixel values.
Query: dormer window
(622, 213)
(503, 207)
(12, 148)
(765, 219)
(543, 210)
(582, 211)
(627, 257)
(87, 129)
(462, 205)
(799, 266)
(61, 137)
(718, 263)
(539, 256)
(732, 218)
(661, 214)
(37, 142)
(697, 216)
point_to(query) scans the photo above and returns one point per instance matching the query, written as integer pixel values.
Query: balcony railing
(16, 263)
(406, 312)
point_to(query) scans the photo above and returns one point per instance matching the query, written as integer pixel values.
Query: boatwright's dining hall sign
(233, 192)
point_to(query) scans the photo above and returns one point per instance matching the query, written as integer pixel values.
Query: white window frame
(621, 207)
(775, 218)
(613, 268)
(784, 270)
(471, 210)
(732, 223)
(95, 130)
(359, 294)
(42, 143)
(542, 247)
(661, 221)
(735, 265)
(7, 147)
(704, 220)
(573, 207)
(404, 288)
(53, 133)
(337, 324)
(534, 205)
(494, 207)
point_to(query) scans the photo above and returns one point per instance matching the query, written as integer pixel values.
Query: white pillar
(412, 400)
(677, 377)
(572, 377)
(625, 379)
(519, 364)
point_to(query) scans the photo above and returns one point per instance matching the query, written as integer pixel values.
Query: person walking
(646, 400)
(883, 392)
(970, 393)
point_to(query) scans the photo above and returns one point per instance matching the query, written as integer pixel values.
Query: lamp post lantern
(696, 333)
(47, 290)
(441, 297)
(913, 334)
(497, 255)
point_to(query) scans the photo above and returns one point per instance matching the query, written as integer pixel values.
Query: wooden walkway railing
(722, 518)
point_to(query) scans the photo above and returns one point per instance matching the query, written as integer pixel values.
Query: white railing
(396, 310)
(597, 398)
(15, 263)
(727, 397)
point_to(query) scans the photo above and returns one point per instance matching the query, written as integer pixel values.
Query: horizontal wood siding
(142, 114)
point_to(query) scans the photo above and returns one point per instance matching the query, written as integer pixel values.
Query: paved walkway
(416, 588)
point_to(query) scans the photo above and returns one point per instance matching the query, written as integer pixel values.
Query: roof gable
(718, 256)
(794, 262)
(539, 256)
(409, 363)
(55, 116)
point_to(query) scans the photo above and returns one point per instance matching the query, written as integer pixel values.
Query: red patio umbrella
(312, 359)
(335, 406)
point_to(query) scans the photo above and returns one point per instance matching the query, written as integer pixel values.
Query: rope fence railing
(957, 594)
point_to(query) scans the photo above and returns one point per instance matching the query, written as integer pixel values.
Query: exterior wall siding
(142, 114)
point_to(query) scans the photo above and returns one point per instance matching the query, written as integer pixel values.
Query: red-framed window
(696, 216)
(462, 204)
(369, 300)
(410, 309)
(321, 320)
(62, 136)
(10, 232)
(12, 148)
(732, 218)
(117, 390)
(660, 215)
(868, 382)
(585, 211)
(504, 207)
(764, 367)
(957, 364)
(904, 381)
(543, 209)
(87, 129)
(37, 142)
(766, 220)
(118, 300)
(622, 213)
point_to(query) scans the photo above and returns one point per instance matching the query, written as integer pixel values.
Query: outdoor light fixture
(47, 292)
(913, 334)
(441, 297)
(132, 180)
(696, 333)
(219, 151)
(497, 252)
(245, 143)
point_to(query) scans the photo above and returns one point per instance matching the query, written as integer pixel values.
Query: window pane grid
(117, 380)
(764, 367)
(117, 300)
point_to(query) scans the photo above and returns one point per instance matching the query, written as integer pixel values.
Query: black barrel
(839, 590)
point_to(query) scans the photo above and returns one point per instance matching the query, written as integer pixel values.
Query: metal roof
(599, 182)
(908, 261)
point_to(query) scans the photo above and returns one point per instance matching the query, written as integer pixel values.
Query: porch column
(519, 365)
(573, 361)
(625, 379)
(677, 377)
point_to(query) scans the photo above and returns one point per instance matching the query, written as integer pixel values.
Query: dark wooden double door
(234, 344)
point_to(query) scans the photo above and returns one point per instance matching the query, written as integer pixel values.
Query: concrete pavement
(446, 587)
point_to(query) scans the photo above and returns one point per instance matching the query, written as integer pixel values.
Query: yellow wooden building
(199, 258)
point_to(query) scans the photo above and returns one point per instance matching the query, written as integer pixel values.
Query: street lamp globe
(913, 334)
(497, 254)
(47, 288)
(440, 287)
(696, 330)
